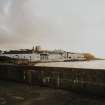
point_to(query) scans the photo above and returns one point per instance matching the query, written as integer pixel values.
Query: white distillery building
(36, 54)
(37, 57)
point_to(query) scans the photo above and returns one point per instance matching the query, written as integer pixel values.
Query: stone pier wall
(64, 78)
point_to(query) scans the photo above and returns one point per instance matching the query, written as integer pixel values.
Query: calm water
(94, 64)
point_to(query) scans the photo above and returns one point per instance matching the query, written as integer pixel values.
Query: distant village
(37, 54)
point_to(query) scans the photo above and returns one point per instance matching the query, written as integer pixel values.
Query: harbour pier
(63, 77)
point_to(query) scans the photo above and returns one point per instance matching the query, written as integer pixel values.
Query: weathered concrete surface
(78, 79)
(12, 93)
(92, 64)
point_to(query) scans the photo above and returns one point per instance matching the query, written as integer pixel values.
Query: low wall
(65, 78)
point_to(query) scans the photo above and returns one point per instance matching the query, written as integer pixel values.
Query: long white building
(37, 57)
(40, 55)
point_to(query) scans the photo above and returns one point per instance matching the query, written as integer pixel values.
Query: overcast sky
(73, 25)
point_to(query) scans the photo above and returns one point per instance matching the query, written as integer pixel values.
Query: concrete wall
(64, 78)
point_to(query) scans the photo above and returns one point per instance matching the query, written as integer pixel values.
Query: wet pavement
(12, 93)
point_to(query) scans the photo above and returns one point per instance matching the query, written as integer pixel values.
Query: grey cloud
(67, 24)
